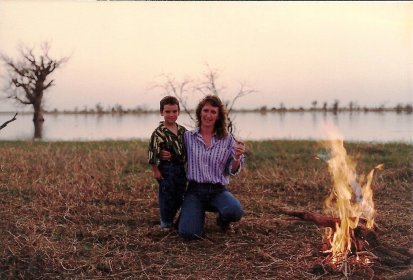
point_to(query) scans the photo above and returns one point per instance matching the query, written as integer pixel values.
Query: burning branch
(361, 233)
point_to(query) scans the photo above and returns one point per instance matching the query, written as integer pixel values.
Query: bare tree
(208, 86)
(99, 108)
(351, 106)
(29, 77)
(314, 104)
(335, 106)
(180, 90)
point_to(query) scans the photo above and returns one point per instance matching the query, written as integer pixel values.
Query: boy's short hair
(168, 100)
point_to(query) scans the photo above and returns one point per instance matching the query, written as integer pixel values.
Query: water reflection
(354, 126)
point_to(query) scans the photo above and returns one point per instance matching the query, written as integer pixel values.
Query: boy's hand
(157, 174)
(165, 155)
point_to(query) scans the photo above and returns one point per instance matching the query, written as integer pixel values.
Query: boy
(170, 174)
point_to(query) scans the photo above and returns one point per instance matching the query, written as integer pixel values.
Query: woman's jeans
(171, 191)
(206, 197)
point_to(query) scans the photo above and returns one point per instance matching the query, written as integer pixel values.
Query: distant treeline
(334, 108)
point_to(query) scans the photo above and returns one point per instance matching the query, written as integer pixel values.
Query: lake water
(355, 126)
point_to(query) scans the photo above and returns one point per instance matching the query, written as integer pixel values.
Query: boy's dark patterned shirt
(164, 139)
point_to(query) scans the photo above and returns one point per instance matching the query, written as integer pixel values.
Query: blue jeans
(171, 191)
(200, 198)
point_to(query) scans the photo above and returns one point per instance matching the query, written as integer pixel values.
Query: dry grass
(89, 210)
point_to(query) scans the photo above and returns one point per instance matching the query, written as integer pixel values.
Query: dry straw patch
(89, 210)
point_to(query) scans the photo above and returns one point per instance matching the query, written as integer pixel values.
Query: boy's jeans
(206, 197)
(171, 191)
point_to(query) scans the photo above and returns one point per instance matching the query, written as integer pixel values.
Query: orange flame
(349, 199)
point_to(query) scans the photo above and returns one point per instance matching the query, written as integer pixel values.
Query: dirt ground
(90, 211)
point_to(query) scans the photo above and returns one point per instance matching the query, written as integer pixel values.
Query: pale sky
(289, 52)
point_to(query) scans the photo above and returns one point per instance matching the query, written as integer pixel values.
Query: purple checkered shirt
(209, 164)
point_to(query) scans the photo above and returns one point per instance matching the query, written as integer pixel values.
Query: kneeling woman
(213, 155)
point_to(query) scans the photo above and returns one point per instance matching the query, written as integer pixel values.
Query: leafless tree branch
(7, 122)
(179, 90)
(207, 86)
(243, 91)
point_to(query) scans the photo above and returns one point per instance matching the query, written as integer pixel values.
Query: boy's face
(170, 113)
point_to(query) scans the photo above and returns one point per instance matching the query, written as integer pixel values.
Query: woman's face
(209, 115)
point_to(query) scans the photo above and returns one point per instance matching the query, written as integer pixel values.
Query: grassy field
(89, 210)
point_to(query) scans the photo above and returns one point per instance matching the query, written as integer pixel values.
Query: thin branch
(243, 91)
(178, 90)
(9, 121)
(49, 84)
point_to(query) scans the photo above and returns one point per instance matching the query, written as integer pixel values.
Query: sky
(287, 52)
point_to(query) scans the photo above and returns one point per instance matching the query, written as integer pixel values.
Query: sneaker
(164, 225)
(225, 226)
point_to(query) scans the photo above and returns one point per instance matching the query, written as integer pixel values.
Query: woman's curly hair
(220, 126)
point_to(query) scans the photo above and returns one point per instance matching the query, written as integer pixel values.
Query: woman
(212, 155)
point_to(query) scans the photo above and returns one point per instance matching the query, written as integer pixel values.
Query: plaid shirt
(164, 139)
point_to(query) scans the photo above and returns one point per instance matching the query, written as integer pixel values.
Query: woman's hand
(239, 150)
(165, 155)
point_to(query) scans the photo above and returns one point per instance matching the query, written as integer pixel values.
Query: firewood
(365, 238)
(327, 221)
(318, 219)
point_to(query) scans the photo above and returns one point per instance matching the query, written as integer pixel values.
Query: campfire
(350, 235)
(351, 202)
